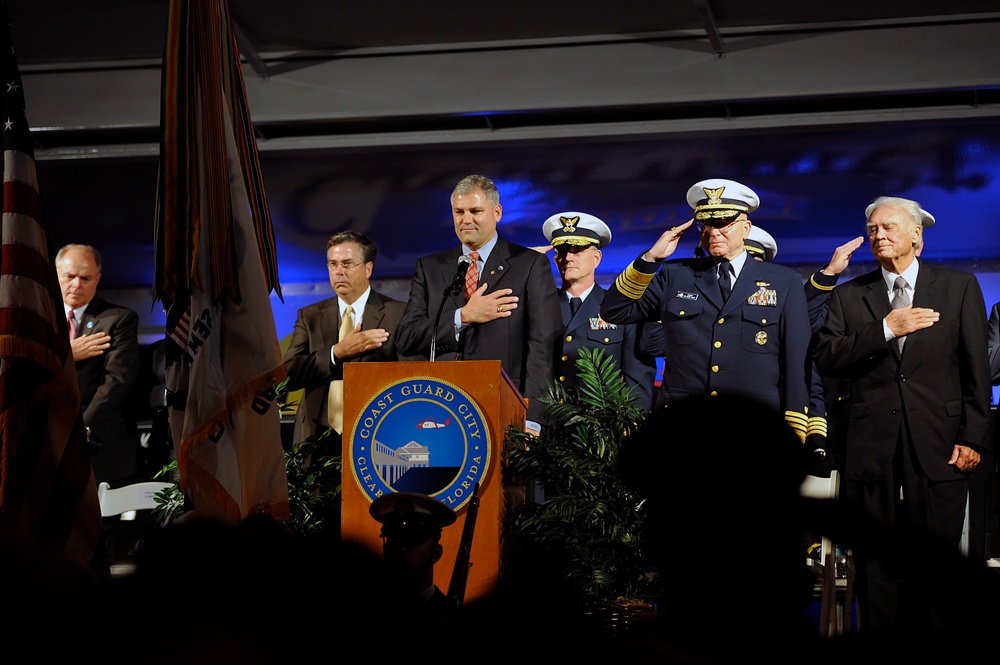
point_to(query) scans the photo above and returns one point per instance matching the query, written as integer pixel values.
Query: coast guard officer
(730, 325)
(578, 238)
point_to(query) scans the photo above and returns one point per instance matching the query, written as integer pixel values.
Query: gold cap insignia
(569, 223)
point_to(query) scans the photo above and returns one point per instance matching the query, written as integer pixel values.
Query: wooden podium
(382, 402)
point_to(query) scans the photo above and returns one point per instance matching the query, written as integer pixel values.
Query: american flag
(215, 270)
(48, 499)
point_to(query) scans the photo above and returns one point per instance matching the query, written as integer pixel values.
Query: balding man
(106, 351)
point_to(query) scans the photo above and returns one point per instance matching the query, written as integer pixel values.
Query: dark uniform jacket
(620, 341)
(756, 344)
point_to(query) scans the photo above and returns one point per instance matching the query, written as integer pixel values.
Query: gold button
(722, 320)
(718, 344)
(569, 338)
(763, 320)
(606, 340)
(682, 313)
(713, 394)
(565, 358)
(562, 378)
(715, 368)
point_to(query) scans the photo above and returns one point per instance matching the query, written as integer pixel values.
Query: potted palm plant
(588, 519)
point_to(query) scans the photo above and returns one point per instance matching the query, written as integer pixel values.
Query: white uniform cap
(760, 243)
(576, 228)
(721, 199)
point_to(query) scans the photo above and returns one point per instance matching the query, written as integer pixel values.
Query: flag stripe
(48, 499)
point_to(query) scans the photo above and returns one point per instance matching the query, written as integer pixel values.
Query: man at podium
(505, 308)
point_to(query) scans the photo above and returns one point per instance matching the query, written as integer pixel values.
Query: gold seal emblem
(714, 195)
(569, 223)
(761, 338)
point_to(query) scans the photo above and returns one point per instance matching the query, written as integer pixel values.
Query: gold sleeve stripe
(632, 283)
(812, 280)
(817, 425)
(797, 422)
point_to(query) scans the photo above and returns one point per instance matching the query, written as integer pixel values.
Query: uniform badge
(597, 323)
(761, 338)
(686, 295)
(763, 297)
(569, 223)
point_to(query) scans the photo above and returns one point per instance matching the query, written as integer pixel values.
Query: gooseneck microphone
(457, 286)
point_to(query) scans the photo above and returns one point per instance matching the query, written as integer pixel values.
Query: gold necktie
(335, 401)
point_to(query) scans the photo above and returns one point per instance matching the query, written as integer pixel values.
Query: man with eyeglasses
(731, 326)
(358, 325)
(578, 239)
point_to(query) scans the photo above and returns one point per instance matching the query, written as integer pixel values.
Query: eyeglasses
(724, 230)
(348, 266)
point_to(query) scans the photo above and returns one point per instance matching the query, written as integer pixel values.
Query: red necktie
(71, 323)
(472, 276)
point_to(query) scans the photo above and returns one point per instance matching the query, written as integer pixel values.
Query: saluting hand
(483, 307)
(842, 256)
(667, 243)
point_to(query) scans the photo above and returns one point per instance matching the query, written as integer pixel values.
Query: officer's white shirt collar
(582, 296)
(737, 264)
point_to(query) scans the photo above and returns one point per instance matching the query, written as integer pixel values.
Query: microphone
(457, 286)
(458, 283)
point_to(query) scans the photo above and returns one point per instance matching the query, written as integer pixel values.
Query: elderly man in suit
(106, 353)
(358, 325)
(509, 310)
(578, 239)
(911, 339)
(731, 325)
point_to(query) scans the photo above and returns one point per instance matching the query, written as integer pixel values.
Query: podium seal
(420, 435)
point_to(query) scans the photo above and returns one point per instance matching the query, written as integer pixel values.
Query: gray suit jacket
(307, 361)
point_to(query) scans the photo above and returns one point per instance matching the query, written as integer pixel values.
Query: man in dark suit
(911, 339)
(578, 238)
(106, 353)
(358, 325)
(509, 311)
(730, 325)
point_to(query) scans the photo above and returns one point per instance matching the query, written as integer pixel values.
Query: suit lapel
(590, 308)
(744, 287)
(374, 312)
(706, 281)
(497, 266)
(91, 317)
(877, 301)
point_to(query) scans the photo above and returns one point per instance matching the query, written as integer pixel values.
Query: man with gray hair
(104, 339)
(911, 338)
(508, 311)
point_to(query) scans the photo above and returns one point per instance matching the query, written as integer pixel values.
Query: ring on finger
(499, 308)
